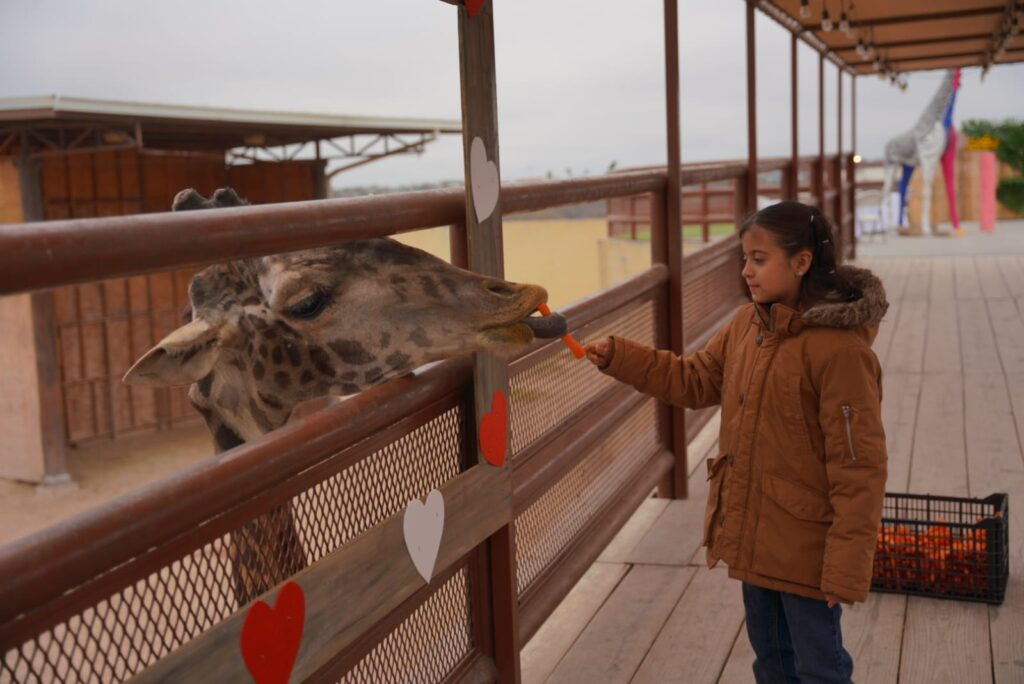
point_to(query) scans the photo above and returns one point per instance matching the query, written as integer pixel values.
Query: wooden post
(852, 174)
(34, 447)
(838, 166)
(667, 242)
(794, 154)
(821, 132)
(751, 112)
(486, 255)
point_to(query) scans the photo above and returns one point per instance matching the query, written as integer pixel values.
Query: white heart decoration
(423, 526)
(483, 178)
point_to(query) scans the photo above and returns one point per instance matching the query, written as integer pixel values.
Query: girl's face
(770, 274)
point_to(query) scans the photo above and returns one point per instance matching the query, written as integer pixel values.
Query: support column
(751, 111)
(794, 153)
(850, 163)
(821, 132)
(485, 254)
(32, 401)
(667, 246)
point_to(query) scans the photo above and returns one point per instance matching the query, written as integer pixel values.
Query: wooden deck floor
(952, 349)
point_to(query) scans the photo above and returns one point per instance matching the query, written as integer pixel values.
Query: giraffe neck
(936, 109)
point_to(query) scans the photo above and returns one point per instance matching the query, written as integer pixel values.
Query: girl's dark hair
(796, 227)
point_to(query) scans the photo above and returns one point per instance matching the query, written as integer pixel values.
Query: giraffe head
(267, 333)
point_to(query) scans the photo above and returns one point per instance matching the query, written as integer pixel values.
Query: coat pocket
(793, 523)
(715, 477)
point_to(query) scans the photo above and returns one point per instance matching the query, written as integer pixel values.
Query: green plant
(1010, 136)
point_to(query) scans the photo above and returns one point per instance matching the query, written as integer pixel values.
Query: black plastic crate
(943, 546)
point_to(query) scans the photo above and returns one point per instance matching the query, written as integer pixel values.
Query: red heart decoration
(493, 428)
(473, 6)
(271, 636)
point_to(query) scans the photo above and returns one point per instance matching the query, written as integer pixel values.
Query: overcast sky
(580, 82)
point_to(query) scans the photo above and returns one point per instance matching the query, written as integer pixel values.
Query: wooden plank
(633, 531)
(990, 277)
(739, 667)
(884, 340)
(980, 354)
(939, 463)
(918, 280)
(616, 640)
(901, 395)
(907, 352)
(1012, 268)
(872, 632)
(1008, 331)
(551, 642)
(350, 590)
(678, 532)
(690, 647)
(942, 343)
(967, 284)
(945, 642)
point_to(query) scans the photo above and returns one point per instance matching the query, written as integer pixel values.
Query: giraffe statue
(268, 333)
(928, 142)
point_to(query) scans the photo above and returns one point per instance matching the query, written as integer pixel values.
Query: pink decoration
(494, 430)
(987, 188)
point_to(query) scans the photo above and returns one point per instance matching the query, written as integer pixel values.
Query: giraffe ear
(181, 358)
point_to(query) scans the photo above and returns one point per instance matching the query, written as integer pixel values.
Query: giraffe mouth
(547, 327)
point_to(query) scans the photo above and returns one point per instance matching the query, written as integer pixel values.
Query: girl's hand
(833, 601)
(597, 352)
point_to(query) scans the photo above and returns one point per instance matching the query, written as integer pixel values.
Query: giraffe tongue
(553, 325)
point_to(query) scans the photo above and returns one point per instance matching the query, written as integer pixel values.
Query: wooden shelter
(64, 158)
(139, 586)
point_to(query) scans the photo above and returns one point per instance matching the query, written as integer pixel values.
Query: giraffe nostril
(501, 289)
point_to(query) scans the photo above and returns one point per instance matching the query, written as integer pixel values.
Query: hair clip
(832, 271)
(825, 242)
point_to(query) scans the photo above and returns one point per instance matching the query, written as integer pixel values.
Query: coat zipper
(849, 431)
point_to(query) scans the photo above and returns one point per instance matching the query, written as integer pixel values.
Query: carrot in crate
(575, 347)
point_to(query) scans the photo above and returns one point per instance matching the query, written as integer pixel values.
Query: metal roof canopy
(63, 124)
(911, 35)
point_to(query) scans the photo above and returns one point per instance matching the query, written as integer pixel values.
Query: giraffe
(924, 144)
(264, 334)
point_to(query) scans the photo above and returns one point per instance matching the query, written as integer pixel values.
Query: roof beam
(922, 41)
(926, 58)
(913, 18)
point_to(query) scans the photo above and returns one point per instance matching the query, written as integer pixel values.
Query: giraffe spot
(321, 361)
(278, 356)
(351, 352)
(270, 401)
(205, 383)
(256, 321)
(430, 287)
(398, 360)
(349, 388)
(450, 285)
(270, 333)
(264, 351)
(349, 375)
(287, 330)
(293, 354)
(374, 375)
(397, 280)
(385, 340)
(248, 348)
(251, 300)
(420, 339)
(282, 379)
(260, 416)
(237, 363)
(307, 377)
(206, 413)
(258, 370)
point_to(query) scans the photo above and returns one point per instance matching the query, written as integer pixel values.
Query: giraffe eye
(310, 307)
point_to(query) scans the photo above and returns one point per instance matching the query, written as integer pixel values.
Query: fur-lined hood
(867, 310)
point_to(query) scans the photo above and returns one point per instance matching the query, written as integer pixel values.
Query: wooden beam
(913, 18)
(352, 589)
(490, 374)
(821, 133)
(751, 110)
(668, 247)
(794, 152)
(920, 41)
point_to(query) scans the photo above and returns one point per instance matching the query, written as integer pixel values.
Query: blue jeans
(796, 640)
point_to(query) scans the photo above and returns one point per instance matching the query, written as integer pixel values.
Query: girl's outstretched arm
(694, 381)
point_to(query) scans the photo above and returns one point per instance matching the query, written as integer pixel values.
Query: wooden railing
(141, 585)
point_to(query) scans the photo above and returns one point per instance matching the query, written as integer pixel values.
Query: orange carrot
(575, 347)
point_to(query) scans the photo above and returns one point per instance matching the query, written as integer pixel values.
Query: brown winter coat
(795, 493)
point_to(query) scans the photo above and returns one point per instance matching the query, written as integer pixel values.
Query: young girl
(795, 493)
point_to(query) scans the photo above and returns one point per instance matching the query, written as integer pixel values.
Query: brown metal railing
(141, 584)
